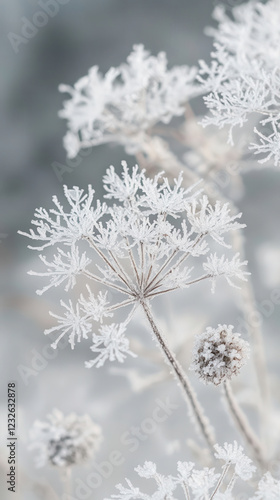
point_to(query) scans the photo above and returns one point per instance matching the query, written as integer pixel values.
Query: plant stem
(66, 477)
(222, 477)
(202, 421)
(243, 424)
(250, 307)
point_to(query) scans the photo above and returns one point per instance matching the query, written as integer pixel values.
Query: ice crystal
(220, 266)
(111, 344)
(65, 267)
(233, 454)
(244, 76)
(205, 484)
(219, 354)
(140, 246)
(65, 441)
(127, 101)
(268, 488)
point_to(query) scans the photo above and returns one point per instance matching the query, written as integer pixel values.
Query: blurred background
(84, 33)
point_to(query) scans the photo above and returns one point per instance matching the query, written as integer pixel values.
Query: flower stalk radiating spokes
(141, 246)
(130, 104)
(203, 484)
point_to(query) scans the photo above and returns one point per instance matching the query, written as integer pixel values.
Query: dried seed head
(64, 441)
(219, 354)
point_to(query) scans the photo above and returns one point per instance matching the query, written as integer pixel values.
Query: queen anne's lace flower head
(233, 454)
(150, 242)
(126, 102)
(65, 441)
(268, 488)
(205, 484)
(219, 354)
(244, 76)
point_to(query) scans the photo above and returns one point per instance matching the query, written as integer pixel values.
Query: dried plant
(102, 110)
(205, 484)
(143, 241)
(161, 234)
(124, 104)
(219, 354)
(65, 441)
(244, 75)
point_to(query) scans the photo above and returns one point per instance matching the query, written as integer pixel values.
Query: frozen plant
(268, 488)
(205, 484)
(243, 78)
(218, 355)
(105, 109)
(65, 440)
(126, 102)
(143, 243)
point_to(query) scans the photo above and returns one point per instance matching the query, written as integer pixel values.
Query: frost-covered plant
(206, 155)
(130, 99)
(243, 78)
(143, 241)
(205, 484)
(219, 354)
(268, 488)
(65, 440)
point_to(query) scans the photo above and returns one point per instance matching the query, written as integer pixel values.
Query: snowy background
(82, 34)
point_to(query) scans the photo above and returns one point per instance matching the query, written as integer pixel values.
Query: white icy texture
(140, 247)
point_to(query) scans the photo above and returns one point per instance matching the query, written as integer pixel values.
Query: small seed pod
(219, 354)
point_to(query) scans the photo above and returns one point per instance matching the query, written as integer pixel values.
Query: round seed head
(219, 354)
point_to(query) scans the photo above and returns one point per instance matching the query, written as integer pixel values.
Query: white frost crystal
(243, 78)
(139, 247)
(124, 103)
(64, 441)
(233, 453)
(218, 354)
(205, 484)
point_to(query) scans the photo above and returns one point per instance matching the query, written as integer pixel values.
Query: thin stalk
(168, 260)
(121, 304)
(103, 257)
(200, 418)
(205, 276)
(152, 257)
(232, 482)
(66, 477)
(111, 285)
(242, 423)
(222, 477)
(121, 270)
(142, 263)
(186, 491)
(249, 306)
(178, 263)
(132, 260)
